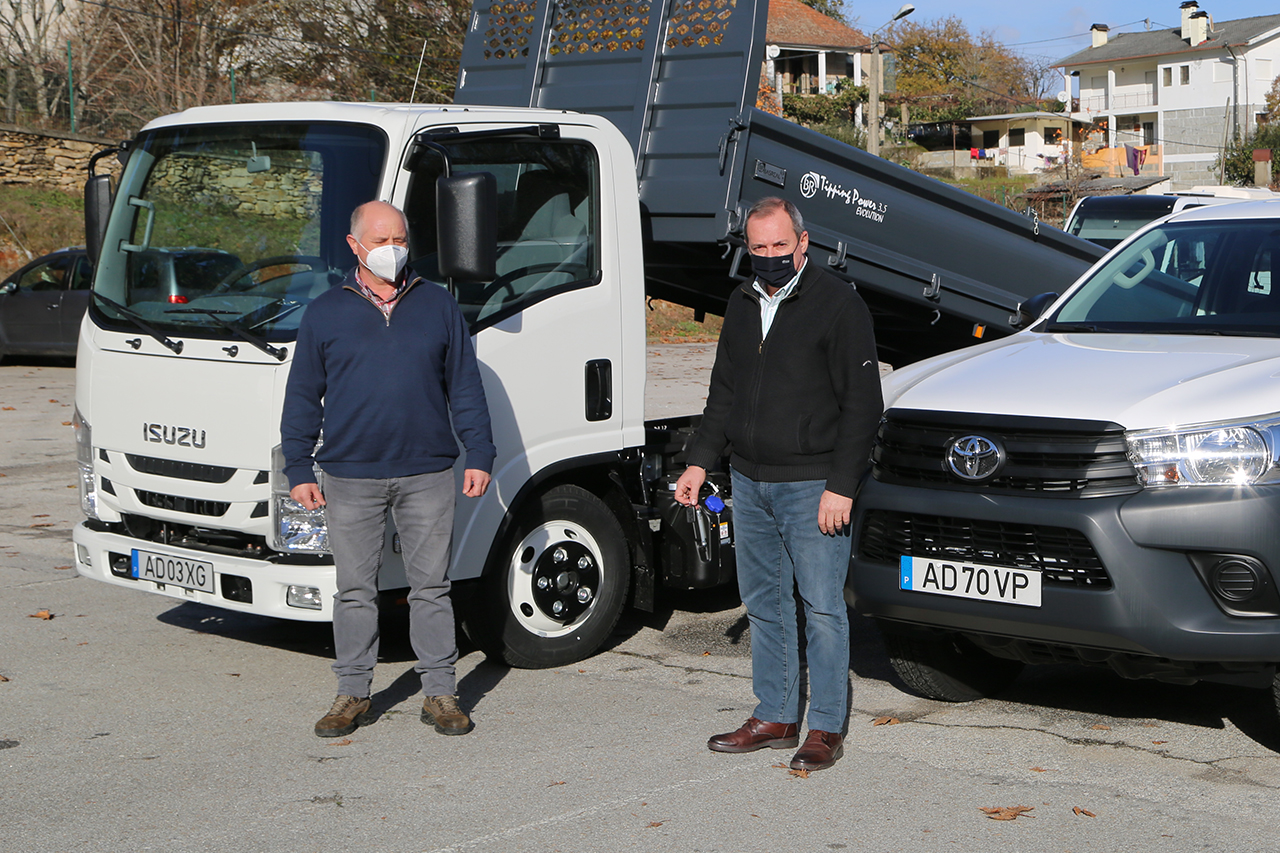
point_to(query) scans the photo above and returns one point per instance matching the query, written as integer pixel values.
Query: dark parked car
(41, 305)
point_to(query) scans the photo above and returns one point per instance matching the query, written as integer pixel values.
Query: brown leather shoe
(820, 751)
(443, 713)
(756, 734)
(347, 713)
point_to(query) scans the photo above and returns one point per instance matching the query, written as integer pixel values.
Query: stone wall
(49, 158)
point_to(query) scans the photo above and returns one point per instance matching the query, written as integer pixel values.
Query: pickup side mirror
(1028, 312)
(97, 207)
(467, 226)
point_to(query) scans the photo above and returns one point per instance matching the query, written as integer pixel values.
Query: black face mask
(774, 271)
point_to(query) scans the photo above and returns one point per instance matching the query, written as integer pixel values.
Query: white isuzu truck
(551, 228)
(1103, 487)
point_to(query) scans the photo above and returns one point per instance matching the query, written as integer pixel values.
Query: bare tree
(31, 30)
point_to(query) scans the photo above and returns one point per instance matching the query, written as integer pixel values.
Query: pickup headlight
(294, 527)
(84, 467)
(1221, 454)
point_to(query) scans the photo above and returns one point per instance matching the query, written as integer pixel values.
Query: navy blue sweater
(385, 390)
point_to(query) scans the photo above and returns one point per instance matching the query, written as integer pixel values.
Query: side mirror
(97, 207)
(1028, 312)
(8, 287)
(467, 226)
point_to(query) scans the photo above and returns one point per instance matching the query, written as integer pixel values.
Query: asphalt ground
(131, 722)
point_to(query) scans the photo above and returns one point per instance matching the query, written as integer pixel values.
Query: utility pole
(873, 120)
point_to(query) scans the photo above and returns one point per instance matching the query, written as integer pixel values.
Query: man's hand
(475, 482)
(307, 494)
(833, 513)
(689, 484)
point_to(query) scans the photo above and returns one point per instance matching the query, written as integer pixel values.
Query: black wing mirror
(467, 226)
(1028, 312)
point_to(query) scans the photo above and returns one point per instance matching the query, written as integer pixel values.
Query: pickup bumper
(1158, 604)
(263, 583)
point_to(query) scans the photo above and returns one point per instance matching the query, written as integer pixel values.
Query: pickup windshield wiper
(142, 324)
(278, 353)
(1071, 327)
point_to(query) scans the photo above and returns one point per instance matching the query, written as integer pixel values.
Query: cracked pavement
(136, 722)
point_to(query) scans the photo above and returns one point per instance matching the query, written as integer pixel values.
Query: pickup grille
(1045, 457)
(1064, 556)
(192, 506)
(179, 470)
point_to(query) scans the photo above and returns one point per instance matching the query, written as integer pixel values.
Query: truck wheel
(560, 585)
(949, 667)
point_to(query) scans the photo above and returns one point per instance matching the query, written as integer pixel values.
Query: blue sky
(1049, 29)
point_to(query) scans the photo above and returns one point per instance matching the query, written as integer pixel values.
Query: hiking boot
(443, 713)
(347, 713)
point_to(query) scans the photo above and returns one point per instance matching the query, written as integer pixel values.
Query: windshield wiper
(1071, 327)
(278, 353)
(142, 324)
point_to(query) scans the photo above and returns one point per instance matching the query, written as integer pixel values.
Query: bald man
(384, 364)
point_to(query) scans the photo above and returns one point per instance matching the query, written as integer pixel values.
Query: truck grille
(179, 470)
(1044, 457)
(1063, 555)
(193, 506)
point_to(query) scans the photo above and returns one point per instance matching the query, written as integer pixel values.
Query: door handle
(599, 389)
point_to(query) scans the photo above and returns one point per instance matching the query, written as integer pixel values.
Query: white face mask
(385, 262)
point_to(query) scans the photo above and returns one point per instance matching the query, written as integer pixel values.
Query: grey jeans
(422, 507)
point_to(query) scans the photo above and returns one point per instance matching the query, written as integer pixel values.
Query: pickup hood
(1137, 381)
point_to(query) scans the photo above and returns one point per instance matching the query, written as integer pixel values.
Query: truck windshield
(234, 225)
(1214, 277)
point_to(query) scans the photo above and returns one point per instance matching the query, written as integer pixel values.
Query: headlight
(84, 467)
(1222, 454)
(294, 527)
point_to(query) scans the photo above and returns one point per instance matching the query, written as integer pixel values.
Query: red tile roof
(793, 23)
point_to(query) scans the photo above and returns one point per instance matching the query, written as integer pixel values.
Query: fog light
(1236, 580)
(82, 554)
(306, 597)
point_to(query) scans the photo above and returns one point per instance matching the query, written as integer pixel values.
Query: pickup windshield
(1211, 277)
(233, 226)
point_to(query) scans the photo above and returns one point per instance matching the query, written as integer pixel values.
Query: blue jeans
(422, 506)
(780, 550)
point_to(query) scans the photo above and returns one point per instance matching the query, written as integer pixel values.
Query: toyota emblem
(974, 458)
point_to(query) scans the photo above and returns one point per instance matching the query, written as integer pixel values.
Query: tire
(947, 667)
(557, 587)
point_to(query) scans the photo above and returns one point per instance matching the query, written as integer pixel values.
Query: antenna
(421, 56)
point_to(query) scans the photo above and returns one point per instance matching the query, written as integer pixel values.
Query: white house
(1180, 94)
(1023, 142)
(810, 51)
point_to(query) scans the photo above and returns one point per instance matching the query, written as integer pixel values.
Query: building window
(1052, 135)
(1168, 76)
(1262, 69)
(1017, 136)
(990, 139)
(1184, 75)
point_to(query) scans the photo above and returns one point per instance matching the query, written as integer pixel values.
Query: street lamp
(873, 121)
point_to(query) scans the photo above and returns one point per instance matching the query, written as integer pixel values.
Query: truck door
(547, 328)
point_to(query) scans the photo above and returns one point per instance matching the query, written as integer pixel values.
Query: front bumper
(1158, 605)
(267, 581)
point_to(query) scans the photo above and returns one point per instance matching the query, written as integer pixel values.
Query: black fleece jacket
(803, 403)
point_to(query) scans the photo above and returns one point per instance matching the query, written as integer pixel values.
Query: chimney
(1188, 9)
(1099, 32)
(1197, 29)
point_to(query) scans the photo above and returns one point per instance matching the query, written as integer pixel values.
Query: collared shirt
(384, 305)
(769, 304)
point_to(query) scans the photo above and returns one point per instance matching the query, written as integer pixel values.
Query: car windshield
(1207, 277)
(1107, 221)
(233, 224)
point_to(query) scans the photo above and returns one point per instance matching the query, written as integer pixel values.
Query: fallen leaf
(885, 721)
(779, 766)
(41, 515)
(1084, 812)
(41, 524)
(8, 408)
(346, 741)
(3, 679)
(1007, 812)
(83, 644)
(1039, 769)
(66, 423)
(53, 401)
(553, 784)
(62, 567)
(1158, 742)
(582, 670)
(234, 674)
(42, 614)
(653, 824)
(1102, 727)
(799, 774)
(705, 654)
